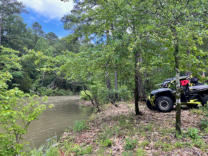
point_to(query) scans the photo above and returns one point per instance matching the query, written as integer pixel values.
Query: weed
(36, 152)
(101, 152)
(125, 123)
(165, 131)
(163, 145)
(141, 152)
(52, 151)
(129, 153)
(204, 124)
(86, 150)
(197, 111)
(80, 126)
(148, 127)
(178, 144)
(199, 143)
(206, 130)
(77, 149)
(107, 133)
(130, 144)
(106, 143)
(193, 133)
(144, 144)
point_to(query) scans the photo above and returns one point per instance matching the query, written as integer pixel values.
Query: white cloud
(53, 9)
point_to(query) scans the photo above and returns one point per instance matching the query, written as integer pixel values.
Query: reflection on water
(54, 121)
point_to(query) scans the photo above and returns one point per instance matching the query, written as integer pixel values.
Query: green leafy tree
(181, 26)
(8, 8)
(17, 109)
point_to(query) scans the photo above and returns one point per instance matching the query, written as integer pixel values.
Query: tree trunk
(108, 85)
(97, 104)
(116, 85)
(140, 85)
(0, 28)
(136, 81)
(178, 90)
(92, 102)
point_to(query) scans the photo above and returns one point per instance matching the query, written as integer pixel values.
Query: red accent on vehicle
(184, 82)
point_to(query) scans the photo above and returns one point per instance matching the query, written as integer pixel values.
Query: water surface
(55, 121)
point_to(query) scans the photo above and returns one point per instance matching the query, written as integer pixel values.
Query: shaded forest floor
(117, 131)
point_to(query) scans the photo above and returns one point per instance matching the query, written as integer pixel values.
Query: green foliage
(128, 153)
(17, 111)
(163, 145)
(124, 93)
(204, 124)
(80, 126)
(106, 143)
(85, 95)
(106, 133)
(48, 149)
(71, 148)
(130, 144)
(193, 133)
(141, 152)
(144, 144)
(52, 151)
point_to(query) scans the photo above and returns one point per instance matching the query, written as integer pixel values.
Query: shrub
(86, 150)
(124, 93)
(163, 145)
(48, 149)
(106, 143)
(80, 126)
(193, 133)
(140, 152)
(70, 147)
(144, 144)
(204, 124)
(130, 144)
(17, 111)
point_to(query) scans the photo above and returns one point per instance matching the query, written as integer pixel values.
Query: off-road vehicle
(193, 94)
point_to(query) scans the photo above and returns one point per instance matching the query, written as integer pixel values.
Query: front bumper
(152, 100)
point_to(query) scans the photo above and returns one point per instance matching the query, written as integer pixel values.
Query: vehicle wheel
(149, 105)
(205, 100)
(164, 104)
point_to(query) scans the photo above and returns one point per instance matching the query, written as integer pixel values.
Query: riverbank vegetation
(117, 51)
(117, 131)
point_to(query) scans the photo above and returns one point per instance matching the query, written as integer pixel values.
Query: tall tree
(8, 8)
(37, 28)
(122, 20)
(181, 25)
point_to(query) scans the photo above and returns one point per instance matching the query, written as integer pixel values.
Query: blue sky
(48, 14)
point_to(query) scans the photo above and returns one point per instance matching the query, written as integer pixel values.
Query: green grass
(141, 152)
(193, 133)
(130, 144)
(70, 147)
(80, 126)
(165, 146)
(106, 143)
(144, 144)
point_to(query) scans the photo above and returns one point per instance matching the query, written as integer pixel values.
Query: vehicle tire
(149, 105)
(164, 104)
(204, 100)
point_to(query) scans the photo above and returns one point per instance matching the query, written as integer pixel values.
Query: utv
(193, 94)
